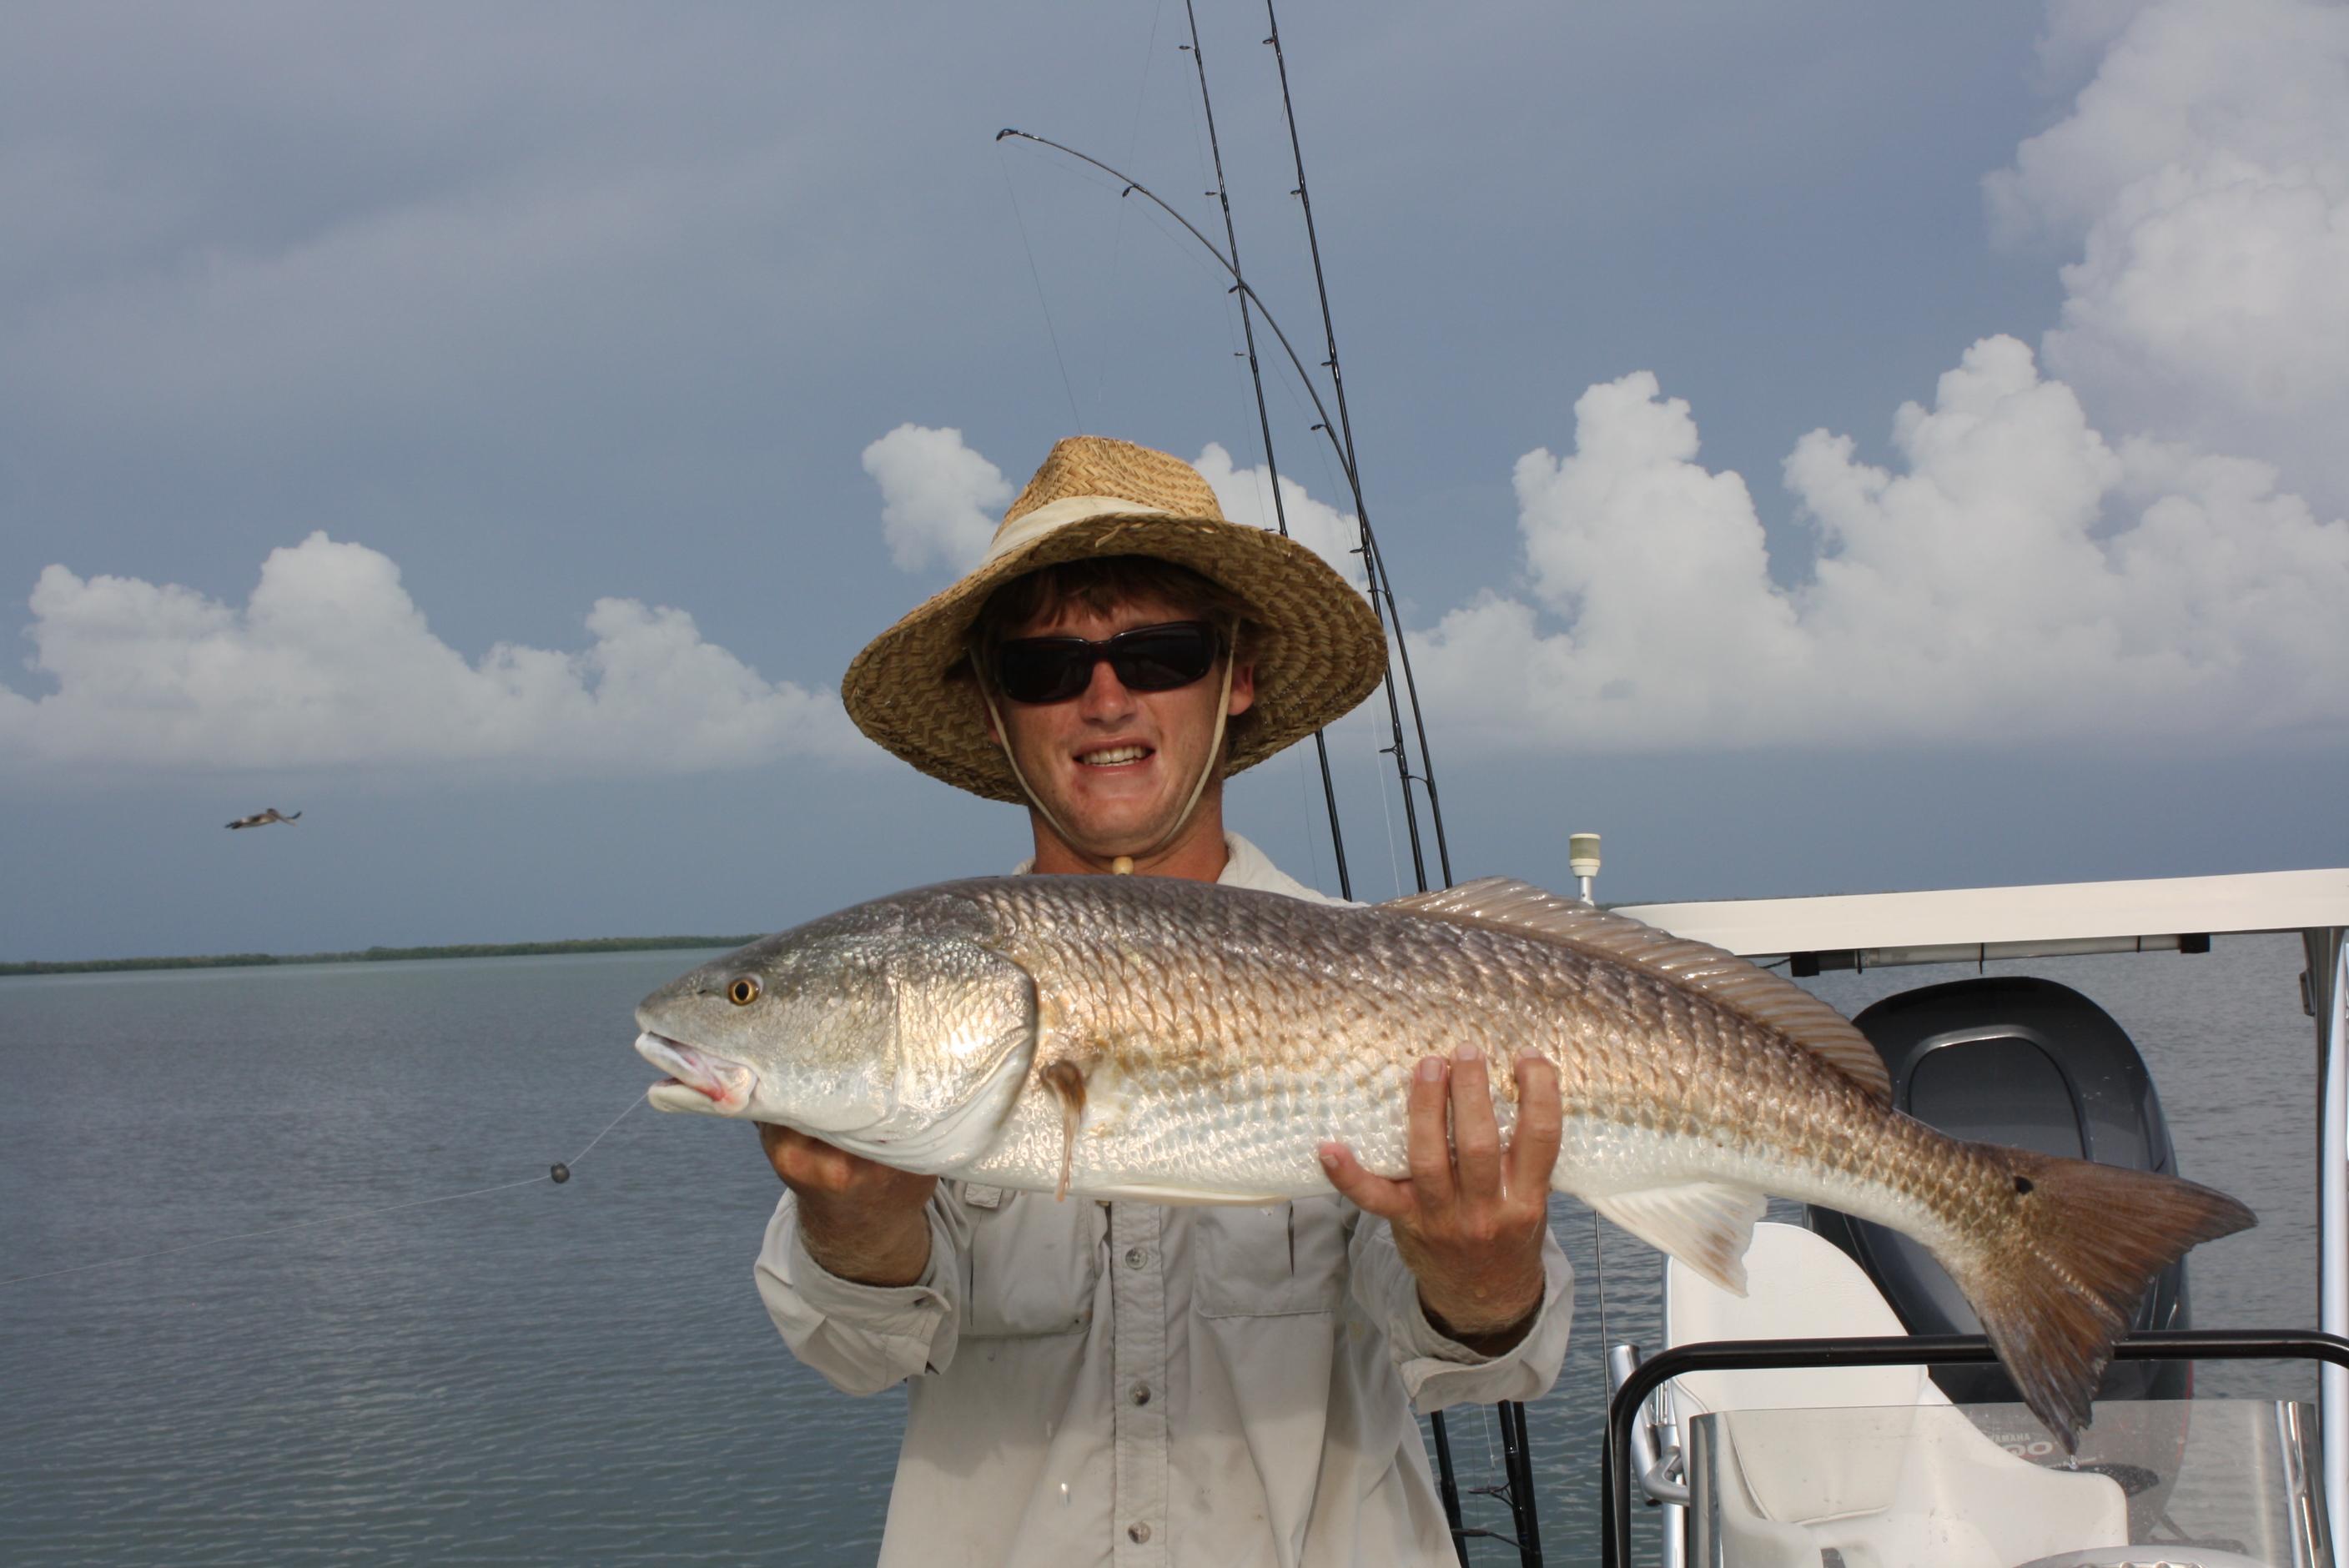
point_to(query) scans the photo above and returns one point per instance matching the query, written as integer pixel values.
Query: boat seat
(1901, 1485)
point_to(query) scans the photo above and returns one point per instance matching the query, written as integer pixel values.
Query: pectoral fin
(1705, 1224)
(1067, 1082)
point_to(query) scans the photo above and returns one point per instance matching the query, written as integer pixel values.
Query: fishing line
(1190, 255)
(1117, 231)
(1285, 375)
(560, 1171)
(1387, 805)
(1305, 815)
(1598, 1277)
(1021, 219)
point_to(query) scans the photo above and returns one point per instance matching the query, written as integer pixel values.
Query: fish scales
(1265, 998)
(1153, 1038)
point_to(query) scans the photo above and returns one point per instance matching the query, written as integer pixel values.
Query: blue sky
(1831, 449)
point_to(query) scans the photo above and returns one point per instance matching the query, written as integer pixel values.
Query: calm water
(583, 1373)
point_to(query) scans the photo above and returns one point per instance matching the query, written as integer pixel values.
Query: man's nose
(1105, 695)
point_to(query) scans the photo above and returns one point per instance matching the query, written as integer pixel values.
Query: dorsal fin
(1521, 909)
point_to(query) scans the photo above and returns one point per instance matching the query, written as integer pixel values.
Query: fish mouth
(698, 1080)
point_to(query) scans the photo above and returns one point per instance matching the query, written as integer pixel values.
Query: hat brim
(1316, 645)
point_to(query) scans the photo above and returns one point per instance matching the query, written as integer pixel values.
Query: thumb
(1373, 1194)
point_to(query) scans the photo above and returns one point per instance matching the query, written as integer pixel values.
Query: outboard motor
(2027, 1062)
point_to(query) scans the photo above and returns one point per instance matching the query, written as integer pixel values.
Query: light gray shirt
(1120, 1382)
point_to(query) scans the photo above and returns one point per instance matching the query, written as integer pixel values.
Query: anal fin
(1705, 1224)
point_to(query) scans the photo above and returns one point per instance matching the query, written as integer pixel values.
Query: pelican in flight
(263, 819)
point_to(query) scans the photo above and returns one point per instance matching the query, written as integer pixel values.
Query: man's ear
(1243, 688)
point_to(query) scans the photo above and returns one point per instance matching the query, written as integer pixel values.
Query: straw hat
(1318, 646)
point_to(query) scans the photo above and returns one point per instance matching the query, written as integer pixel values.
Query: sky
(1821, 448)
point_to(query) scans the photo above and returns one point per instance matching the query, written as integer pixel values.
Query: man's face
(1114, 766)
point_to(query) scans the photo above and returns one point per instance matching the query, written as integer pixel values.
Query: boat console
(2023, 1061)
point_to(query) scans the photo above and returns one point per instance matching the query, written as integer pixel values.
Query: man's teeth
(1114, 754)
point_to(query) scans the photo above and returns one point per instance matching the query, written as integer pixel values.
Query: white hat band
(1028, 526)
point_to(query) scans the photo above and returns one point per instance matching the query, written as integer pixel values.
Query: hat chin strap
(1122, 864)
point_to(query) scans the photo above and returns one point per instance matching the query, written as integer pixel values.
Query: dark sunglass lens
(1042, 669)
(1149, 658)
(1162, 658)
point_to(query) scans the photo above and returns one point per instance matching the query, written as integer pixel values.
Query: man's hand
(1470, 1218)
(862, 1221)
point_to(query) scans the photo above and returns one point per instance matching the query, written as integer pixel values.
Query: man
(1118, 1382)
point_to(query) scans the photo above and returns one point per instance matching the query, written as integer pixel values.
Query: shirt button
(1135, 1257)
(1141, 1393)
(1137, 1533)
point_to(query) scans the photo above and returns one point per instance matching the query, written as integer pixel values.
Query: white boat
(1847, 1455)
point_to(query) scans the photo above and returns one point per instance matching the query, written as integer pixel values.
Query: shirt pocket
(1287, 1259)
(1031, 1267)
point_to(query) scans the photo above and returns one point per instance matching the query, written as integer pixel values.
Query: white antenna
(1582, 859)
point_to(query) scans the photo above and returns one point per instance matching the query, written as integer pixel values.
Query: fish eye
(742, 990)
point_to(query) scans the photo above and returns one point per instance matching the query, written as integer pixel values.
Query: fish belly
(1251, 1135)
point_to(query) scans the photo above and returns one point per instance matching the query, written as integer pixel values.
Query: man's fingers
(1534, 1143)
(804, 1161)
(776, 1141)
(1425, 1140)
(1371, 1193)
(1476, 1134)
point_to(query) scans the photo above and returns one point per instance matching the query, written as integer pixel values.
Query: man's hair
(1102, 583)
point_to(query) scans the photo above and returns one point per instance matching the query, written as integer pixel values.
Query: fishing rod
(1373, 563)
(1264, 425)
(1518, 1492)
(1518, 1489)
(1346, 424)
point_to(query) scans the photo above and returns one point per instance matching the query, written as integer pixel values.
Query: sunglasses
(1148, 658)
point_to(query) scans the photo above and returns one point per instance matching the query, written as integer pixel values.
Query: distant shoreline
(380, 954)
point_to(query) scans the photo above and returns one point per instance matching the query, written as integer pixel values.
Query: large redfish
(1180, 1042)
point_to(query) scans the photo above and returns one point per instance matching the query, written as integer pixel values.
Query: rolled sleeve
(862, 1338)
(1438, 1371)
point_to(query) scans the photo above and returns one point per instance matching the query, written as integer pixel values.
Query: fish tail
(2091, 1239)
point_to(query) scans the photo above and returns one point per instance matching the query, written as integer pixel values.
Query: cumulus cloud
(2200, 184)
(2016, 578)
(939, 499)
(2019, 578)
(2145, 545)
(331, 665)
(1245, 495)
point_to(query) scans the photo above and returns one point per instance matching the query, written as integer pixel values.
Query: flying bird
(263, 819)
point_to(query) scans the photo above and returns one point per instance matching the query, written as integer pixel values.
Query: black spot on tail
(2057, 1284)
